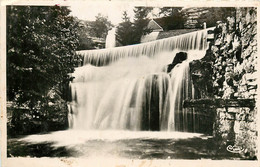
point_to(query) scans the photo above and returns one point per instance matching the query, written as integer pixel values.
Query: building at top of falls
(195, 18)
(190, 41)
(155, 25)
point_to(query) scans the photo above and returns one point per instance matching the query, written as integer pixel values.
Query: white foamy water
(190, 41)
(128, 88)
(111, 38)
(77, 137)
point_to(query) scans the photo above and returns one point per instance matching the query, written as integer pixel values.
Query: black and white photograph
(147, 83)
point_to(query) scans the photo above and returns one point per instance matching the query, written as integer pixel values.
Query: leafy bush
(48, 115)
(215, 14)
(128, 32)
(41, 45)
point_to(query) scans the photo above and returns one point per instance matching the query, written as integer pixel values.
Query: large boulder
(179, 58)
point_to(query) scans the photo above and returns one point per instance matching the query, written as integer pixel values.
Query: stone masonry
(229, 72)
(234, 76)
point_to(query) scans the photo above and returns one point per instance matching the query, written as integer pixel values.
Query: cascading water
(111, 38)
(129, 87)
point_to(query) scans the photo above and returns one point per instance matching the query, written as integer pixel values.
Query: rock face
(201, 73)
(228, 71)
(179, 57)
(234, 76)
(236, 56)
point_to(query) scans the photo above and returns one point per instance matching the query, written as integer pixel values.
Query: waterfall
(190, 41)
(128, 88)
(111, 38)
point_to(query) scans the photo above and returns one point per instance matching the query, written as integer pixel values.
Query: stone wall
(235, 49)
(232, 56)
(234, 76)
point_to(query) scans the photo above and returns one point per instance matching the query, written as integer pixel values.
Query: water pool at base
(118, 144)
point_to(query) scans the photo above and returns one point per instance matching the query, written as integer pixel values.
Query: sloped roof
(153, 25)
(160, 21)
(165, 22)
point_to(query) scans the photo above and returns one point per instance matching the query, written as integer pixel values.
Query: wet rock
(201, 74)
(179, 58)
(234, 75)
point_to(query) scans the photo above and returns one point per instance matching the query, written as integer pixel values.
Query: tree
(41, 44)
(215, 14)
(140, 23)
(124, 31)
(129, 33)
(100, 26)
(85, 41)
(172, 19)
(169, 11)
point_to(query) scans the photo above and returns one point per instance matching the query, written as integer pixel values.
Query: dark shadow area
(17, 148)
(191, 148)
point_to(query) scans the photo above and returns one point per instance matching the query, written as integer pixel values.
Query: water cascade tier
(129, 88)
(111, 38)
(190, 41)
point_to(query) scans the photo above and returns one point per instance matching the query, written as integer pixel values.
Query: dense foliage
(124, 31)
(85, 41)
(140, 22)
(100, 26)
(128, 32)
(216, 14)
(173, 18)
(131, 32)
(41, 44)
(169, 11)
